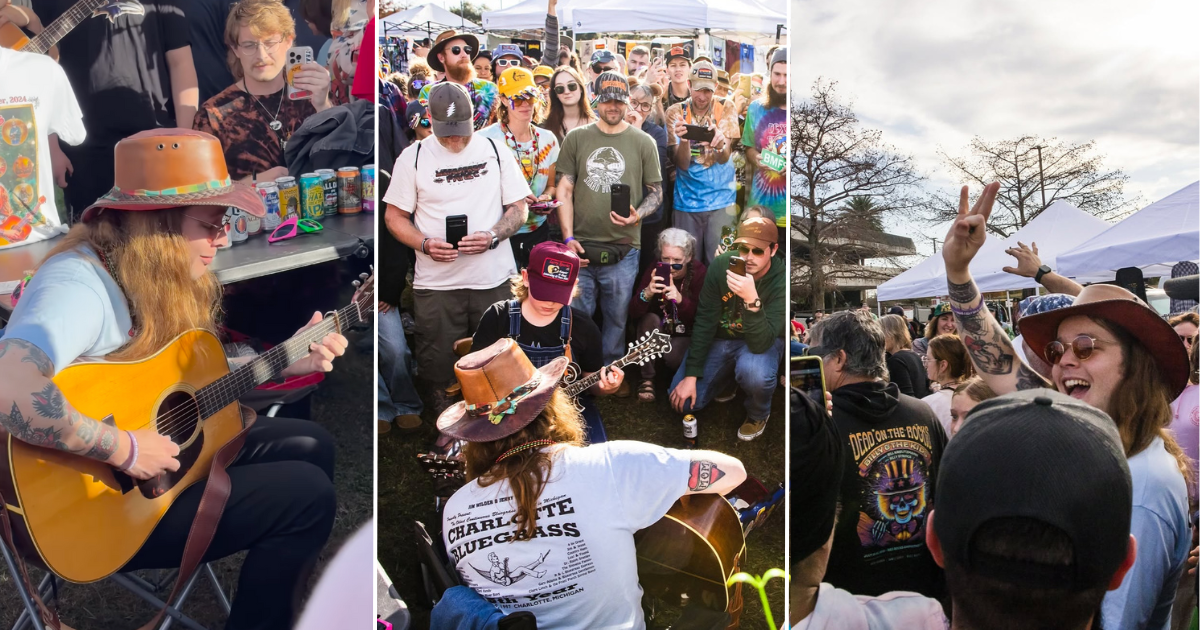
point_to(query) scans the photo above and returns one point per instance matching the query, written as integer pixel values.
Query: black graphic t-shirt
(585, 336)
(579, 570)
(895, 446)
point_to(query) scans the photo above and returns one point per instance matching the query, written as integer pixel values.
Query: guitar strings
(181, 416)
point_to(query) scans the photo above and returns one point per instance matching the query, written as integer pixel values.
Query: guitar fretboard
(63, 25)
(579, 386)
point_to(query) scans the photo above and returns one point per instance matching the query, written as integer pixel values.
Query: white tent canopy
(530, 15)
(426, 20)
(1057, 229)
(665, 17)
(1153, 239)
(928, 277)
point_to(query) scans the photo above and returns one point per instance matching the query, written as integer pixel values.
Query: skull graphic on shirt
(605, 166)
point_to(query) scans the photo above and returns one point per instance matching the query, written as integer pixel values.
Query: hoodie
(895, 446)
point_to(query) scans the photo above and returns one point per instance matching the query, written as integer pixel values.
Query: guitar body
(694, 549)
(13, 38)
(85, 520)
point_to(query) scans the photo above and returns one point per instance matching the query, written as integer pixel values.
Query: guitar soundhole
(178, 419)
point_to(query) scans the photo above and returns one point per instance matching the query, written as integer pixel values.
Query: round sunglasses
(216, 229)
(563, 89)
(1082, 346)
(459, 49)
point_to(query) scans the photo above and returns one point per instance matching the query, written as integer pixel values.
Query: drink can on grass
(269, 191)
(368, 188)
(349, 190)
(691, 431)
(289, 198)
(329, 183)
(312, 197)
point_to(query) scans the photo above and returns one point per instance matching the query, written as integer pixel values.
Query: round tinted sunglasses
(1082, 346)
(562, 89)
(460, 49)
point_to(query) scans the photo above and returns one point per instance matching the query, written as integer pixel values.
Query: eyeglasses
(746, 249)
(675, 266)
(1186, 339)
(292, 228)
(1082, 346)
(562, 89)
(641, 106)
(454, 50)
(422, 122)
(249, 48)
(217, 229)
(502, 63)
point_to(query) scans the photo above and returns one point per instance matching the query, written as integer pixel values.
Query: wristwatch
(495, 240)
(1043, 270)
(756, 304)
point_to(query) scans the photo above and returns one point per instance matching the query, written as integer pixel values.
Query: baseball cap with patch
(553, 269)
(602, 56)
(757, 232)
(450, 110)
(611, 86)
(677, 52)
(507, 50)
(704, 76)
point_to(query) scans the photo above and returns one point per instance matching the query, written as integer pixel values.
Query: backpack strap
(514, 319)
(497, 152)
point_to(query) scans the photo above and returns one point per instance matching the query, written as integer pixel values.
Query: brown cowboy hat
(1123, 309)
(502, 393)
(171, 168)
(440, 43)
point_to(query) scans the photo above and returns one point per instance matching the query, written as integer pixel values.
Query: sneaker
(384, 426)
(624, 390)
(407, 423)
(727, 395)
(752, 429)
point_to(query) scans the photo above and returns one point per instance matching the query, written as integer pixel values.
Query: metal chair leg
(273, 410)
(216, 584)
(172, 611)
(31, 610)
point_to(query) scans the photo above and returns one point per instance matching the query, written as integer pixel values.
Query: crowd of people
(1044, 481)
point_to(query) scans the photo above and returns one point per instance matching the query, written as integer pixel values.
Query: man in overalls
(540, 319)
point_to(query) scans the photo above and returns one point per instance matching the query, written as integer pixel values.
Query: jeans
(706, 227)
(756, 374)
(614, 284)
(394, 382)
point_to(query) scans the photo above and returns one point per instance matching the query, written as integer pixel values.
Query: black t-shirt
(586, 351)
(119, 69)
(895, 446)
(908, 373)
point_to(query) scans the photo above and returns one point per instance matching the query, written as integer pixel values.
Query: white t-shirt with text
(580, 569)
(35, 101)
(477, 182)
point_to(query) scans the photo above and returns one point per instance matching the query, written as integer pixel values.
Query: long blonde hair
(526, 472)
(154, 269)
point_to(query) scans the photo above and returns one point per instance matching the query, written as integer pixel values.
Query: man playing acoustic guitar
(122, 286)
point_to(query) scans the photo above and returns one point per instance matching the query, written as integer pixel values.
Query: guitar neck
(57, 29)
(269, 365)
(579, 386)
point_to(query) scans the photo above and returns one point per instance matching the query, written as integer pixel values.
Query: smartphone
(620, 199)
(744, 85)
(545, 205)
(663, 270)
(456, 229)
(737, 265)
(296, 57)
(698, 133)
(807, 376)
(656, 53)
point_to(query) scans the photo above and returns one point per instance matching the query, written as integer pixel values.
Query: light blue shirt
(1160, 525)
(700, 189)
(72, 308)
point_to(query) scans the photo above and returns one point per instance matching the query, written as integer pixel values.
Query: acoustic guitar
(62, 505)
(13, 38)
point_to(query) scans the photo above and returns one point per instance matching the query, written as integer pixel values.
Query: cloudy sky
(934, 73)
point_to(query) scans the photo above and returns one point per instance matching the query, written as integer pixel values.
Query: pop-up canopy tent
(1057, 229)
(722, 18)
(928, 277)
(1153, 239)
(426, 20)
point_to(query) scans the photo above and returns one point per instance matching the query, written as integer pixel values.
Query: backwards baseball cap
(677, 52)
(611, 86)
(704, 75)
(553, 268)
(1043, 456)
(758, 232)
(450, 110)
(602, 56)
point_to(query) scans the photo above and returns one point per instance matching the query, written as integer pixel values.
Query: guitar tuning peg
(356, 283)
(363, 276)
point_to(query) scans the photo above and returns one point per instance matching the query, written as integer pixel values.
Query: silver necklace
(275, 125)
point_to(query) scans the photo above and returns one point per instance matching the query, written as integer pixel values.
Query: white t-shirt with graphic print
(580, 569)
(437, 184)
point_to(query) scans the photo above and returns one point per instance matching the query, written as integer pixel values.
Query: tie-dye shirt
(543, 154)
(483, 95)
(766, 130)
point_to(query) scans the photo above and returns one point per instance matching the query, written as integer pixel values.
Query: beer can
(691, 431)
(289, 198)
(253, 224)
(312, 196)
(349, 189)
(329, 183)
(368, 188)
(237, 225)
(269, 191)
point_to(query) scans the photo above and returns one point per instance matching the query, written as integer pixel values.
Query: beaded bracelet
(133, 454)
(524, 447)
(966, 313)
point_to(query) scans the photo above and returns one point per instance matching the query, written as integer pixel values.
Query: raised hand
(969, 230)
(1027, 260)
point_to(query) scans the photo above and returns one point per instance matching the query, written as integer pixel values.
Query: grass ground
(344, 404)
(405, 491)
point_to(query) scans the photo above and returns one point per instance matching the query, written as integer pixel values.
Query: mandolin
(61, 504)
(651, 346)
(12, 37)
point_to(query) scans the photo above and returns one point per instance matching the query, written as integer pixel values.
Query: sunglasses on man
(746, 249)
(569, 87)
(460, 49)
(1083, 346)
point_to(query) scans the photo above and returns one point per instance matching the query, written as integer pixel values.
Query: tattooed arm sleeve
(513, 219)
(987, 343)
(651, 201)
(34, 410)
(714, 473)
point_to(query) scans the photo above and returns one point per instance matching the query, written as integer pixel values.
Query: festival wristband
(968, 312)
(133, 453)
(568, 239)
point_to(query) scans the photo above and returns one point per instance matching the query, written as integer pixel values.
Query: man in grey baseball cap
(450, 111)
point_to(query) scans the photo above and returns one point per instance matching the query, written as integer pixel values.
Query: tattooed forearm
(513, 219)
(990, 356)
(33, 354)
(49, 403)
(1028, 379)
(651, 201)
(703, 475)
(964, 293)
(976, 324)
(105, 441)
